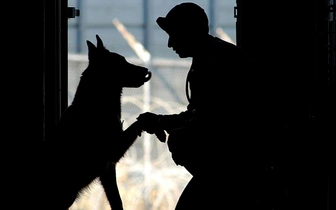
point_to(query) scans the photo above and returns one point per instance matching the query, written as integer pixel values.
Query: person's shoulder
(220, 42)
(220, 48)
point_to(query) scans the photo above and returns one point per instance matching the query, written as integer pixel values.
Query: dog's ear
(99, 42)
(92, 48)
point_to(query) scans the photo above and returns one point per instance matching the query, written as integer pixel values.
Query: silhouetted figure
(217, 138)
(90, 135)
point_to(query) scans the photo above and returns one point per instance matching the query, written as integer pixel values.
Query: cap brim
(162, 22)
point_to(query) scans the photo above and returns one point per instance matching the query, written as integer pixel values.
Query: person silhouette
(212, 138)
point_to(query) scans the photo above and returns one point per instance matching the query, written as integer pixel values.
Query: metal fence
(139, 17)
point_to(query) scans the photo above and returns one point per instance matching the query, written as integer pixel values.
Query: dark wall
(288, 41)
(280, 38)
(22, 94)
(36, 55)
(31, 46)
(23, 41)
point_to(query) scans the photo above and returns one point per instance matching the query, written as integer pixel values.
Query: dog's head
(114, 67)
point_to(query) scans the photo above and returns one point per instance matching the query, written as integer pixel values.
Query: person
(213, 137)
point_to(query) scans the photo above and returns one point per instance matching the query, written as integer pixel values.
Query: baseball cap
(185, 16)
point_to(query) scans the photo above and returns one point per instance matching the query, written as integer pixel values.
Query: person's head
(186, 24)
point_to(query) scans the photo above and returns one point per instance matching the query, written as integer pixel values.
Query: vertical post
(212, 16)
(144, 56)
(146, 107)
(79, 31)
(238, 23)
(146, 31)
(147, 144)
(63, 57)
(56, 65)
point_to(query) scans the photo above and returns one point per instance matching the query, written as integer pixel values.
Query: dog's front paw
(135, 129)
(161, 135)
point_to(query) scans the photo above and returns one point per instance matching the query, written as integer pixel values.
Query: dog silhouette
(90, 137)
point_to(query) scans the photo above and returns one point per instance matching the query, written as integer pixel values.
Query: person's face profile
(181, 43)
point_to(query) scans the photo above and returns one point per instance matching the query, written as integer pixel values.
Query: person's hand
(151, 124)
(149, 121)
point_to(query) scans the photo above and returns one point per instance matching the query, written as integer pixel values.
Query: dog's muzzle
(148, 76)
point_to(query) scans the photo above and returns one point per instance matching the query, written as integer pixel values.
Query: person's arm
(152, 122)
(173, 121)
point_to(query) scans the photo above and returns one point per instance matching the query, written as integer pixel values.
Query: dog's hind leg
(108, 180)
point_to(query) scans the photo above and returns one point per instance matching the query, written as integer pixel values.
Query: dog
(90, 138)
